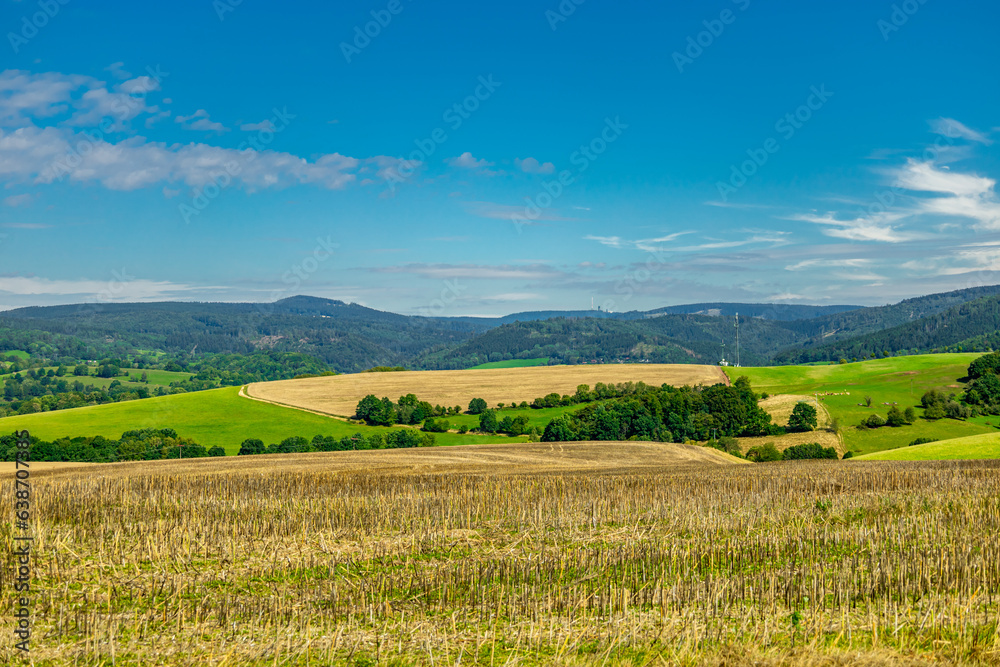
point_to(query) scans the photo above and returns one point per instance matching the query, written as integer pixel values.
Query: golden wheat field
(339, 395)
(492, 560)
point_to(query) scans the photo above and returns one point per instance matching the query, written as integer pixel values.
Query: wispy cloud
(494, 211)
(135, 290)
(875, 227)
(474, 271)
(949, 127)
(962, 195)
(18, 200)
(827, 263)
(262, 126)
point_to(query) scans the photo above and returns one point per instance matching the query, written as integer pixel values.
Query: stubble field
(339, 395)
(615, 553)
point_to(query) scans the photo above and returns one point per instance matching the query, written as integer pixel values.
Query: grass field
(569, 554)
(899, 380)
(339, 395)
(20, 354)
(969, 448)
(512, 363)
(155, 377)
(214, 417)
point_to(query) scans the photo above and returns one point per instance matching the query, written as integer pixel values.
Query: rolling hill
(351, 337)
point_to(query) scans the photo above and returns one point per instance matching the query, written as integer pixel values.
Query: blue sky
(486, 158)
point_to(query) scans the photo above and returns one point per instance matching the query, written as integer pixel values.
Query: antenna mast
(737, 340)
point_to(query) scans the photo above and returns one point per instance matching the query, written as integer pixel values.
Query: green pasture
(214, 417)
(899, 380)
(985, 446)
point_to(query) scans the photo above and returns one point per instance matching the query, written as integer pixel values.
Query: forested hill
(969, 327)
(683, 339)
(855, 323)
(351, 338)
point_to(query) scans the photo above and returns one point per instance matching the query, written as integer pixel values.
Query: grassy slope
(155, 377)
(215, 417)
(901, 379)
(974, 447)
(514, 363)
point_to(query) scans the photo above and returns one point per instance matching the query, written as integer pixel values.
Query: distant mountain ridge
(350, 337)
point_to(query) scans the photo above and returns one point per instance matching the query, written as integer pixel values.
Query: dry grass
(7, 468)
(780, 408)
(783, 442)
(339, 395)
(191, 563)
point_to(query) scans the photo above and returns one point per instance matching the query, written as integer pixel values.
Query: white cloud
(201, 122)
(47, 155)
(925, 177)
(117, 70)
(949, 127)
(467, 161)
(23, 94)
(964, 195)
(530, 165)
(128, 290)
(874, 227)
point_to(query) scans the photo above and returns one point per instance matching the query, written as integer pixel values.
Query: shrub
(216, 451)
(848, 454)
(436, 426)
(812, 450)
(895, 417)
(477, 406)
(873, 421)
(251, 446)
(921, 441)
(764, 453)
(934, 412)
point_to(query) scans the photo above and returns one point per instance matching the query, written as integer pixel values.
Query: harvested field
(780, 408)
(792, 564)
(513, 458)
(339, 395)
(783, 442)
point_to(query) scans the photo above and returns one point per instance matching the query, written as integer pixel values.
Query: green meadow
(214, 417)
(156, 377)
(897, 380)
(985, 446)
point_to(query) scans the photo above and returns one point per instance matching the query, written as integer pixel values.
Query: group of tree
(134, 445)
(26, 395)
(669, 414)
(768, 452)
(402, 438)
(408, 409)
(938, 405)
(894, 418)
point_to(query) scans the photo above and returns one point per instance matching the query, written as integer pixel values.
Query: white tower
(737, 340)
